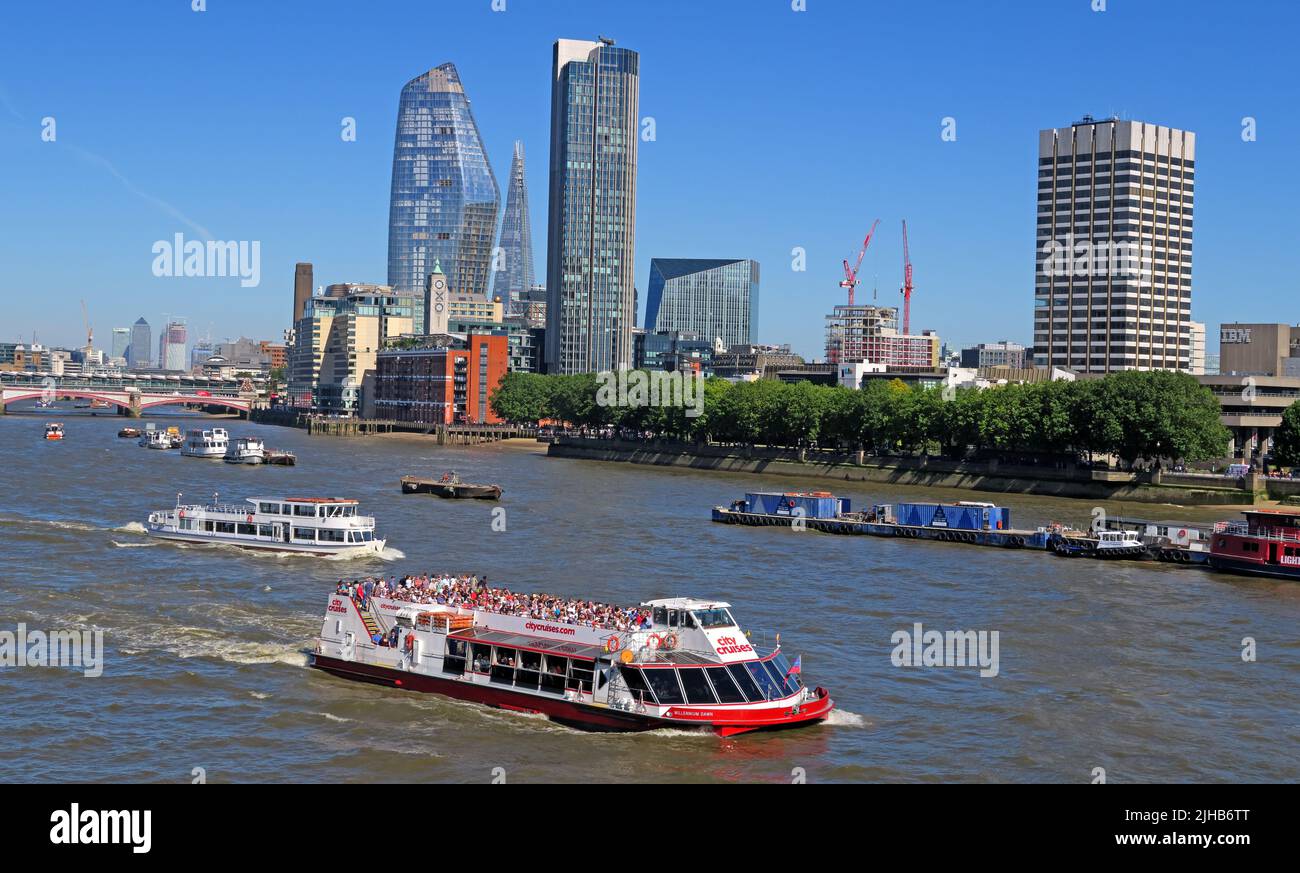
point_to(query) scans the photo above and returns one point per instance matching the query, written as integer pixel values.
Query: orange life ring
(611, 644)
(655, 641)
(1182, 533)
(670, 641)
(182, 515)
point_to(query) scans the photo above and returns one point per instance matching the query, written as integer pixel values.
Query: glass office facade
(712, 299)
(444, 199)
(592, 210)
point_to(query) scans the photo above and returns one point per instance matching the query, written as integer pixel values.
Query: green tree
(1286, 440)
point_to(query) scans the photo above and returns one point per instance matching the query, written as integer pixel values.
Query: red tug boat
(1267, 543)
(685, 665)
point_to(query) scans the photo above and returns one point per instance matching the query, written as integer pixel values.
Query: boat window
(503, 666)
(791, 679)
(330, 536)
(349, 511)
(248, 530)
(580, 676)
(304, 511)
(778, 676)
(724, 685)
(226, 527)
(688, 619)
(286, 509)
(696, 685)
(266, 530)
(557, 667)
(745, 681)
(770, 689)
(663, 682)
(713, 618)
(672, 618)
(304, 533)
(269, 508)
(660, 615)
(636, 683)
(453, 661)
(209, 526)
(481, 657)
(530, 667)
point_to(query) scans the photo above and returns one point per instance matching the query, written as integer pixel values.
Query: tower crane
(906, 290)
(851, 275)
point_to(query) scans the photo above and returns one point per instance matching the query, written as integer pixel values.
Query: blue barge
(969, 522)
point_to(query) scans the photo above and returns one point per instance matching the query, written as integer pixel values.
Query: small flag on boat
(796, 667)
(778, 642)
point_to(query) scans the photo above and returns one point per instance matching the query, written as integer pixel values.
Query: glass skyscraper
(713, 299)
(592, 210)
(444, 197)
(517, 277)
(140, 352)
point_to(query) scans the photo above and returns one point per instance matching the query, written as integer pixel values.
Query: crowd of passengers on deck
(472, 592)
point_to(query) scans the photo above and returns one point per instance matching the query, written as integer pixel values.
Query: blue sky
(775, 129)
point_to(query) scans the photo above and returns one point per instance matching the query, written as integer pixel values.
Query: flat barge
(969, 522)
(450, 487)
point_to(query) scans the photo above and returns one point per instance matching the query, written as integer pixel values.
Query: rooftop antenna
(606, 40)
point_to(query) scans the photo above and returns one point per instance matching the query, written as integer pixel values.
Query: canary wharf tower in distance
(591, 229)
(444, 200)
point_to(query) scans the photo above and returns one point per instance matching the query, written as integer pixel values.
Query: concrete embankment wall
(977, 476)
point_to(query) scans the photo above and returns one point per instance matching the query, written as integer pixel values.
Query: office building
(444, 198)
(139, 354)
(440, 384)
(1113, 278)
(710, 298)
(999, 354)
(591, 236)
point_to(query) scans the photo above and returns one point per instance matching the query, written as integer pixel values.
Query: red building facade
(441, 385)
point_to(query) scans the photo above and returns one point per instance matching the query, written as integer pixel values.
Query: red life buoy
(1182, 534)
(250, 516)
(611, 645)
(182, 513)
(670, 641)
(654, 641)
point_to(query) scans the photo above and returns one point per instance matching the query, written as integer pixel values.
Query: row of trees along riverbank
(1133, 415)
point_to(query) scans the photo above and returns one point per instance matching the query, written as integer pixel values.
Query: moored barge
(970, 522)
(451, 487)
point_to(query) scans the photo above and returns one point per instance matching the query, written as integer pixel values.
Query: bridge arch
(7, 397)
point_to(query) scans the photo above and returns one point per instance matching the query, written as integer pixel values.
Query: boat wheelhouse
(206, 443)
(157, 439)
(1105, 544)
(246, 450)
(688, 666)
(1266, 543)
(308, 525)
(54, 431)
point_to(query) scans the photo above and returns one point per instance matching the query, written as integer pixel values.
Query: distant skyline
(773, 129)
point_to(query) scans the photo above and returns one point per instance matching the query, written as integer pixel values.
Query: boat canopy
(504, 639)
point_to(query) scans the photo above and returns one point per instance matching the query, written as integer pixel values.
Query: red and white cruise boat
(693, 668)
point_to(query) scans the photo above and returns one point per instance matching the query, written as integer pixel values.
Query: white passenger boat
(206, 443)
(310, 525)
(246, 450)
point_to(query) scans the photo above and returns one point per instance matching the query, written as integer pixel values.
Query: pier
(443, 434)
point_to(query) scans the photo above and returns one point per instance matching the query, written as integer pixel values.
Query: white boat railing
(1241, 528)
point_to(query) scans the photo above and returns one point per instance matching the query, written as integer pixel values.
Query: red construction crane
(907, 285)
(851, 276)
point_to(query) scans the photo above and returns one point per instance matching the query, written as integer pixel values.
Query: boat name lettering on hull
(550, 629)
(732, 646)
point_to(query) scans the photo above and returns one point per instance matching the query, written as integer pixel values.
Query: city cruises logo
(77, 826)
(64, 648)
(1083, 258)
(178, 257)
(658, 388)
(955, 648)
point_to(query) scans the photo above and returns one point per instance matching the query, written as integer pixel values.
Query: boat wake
(844, 718)
(134, 527)
(116, 544)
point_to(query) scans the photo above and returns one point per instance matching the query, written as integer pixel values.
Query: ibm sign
(1236, 335)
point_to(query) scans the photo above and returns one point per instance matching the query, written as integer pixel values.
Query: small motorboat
(129, 433)
(245, 450)
(450, 486)
(157, 439)
(54, 431)
(280, 458)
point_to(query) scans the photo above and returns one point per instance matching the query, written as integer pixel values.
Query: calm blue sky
(775, 129)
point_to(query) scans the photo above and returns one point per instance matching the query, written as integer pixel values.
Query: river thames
(1133, 668)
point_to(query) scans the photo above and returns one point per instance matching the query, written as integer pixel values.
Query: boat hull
(1010, 539)
(1227, 564)
(582, 716)
(373, 547)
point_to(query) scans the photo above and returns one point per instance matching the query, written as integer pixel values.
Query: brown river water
(1133, 668)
